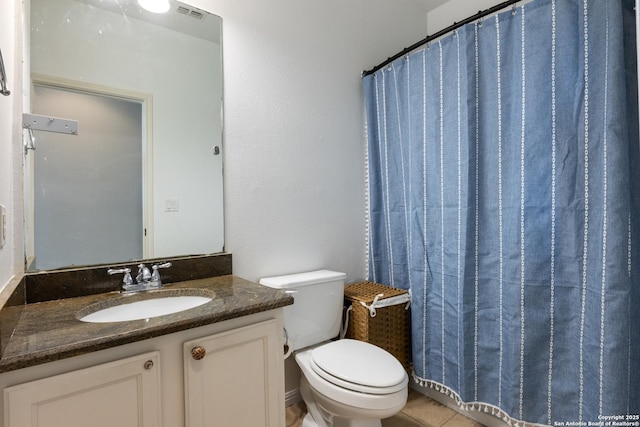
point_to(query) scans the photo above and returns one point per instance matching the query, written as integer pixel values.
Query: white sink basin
(145, 309)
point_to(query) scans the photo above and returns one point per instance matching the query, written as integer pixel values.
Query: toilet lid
(359, 366)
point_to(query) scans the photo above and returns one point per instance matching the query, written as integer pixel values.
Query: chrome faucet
(143, 274)
(145, 280)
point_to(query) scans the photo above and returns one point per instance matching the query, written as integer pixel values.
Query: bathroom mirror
(108, 194)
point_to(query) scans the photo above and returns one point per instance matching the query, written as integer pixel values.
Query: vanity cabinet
(228, 378)
(157, 382)
(124, 393)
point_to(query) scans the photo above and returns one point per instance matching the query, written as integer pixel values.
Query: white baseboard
(292, 397)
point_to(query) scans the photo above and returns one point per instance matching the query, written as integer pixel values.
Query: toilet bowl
(345, 383)
(350, 383)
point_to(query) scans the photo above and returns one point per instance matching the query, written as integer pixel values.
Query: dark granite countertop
(49, 331)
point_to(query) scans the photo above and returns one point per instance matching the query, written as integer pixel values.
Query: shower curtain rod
(454, 26)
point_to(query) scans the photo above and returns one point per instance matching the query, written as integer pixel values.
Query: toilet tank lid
(302, 279)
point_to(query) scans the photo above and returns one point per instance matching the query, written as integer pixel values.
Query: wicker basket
(389, 329)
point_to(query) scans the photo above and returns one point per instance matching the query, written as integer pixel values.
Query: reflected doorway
(88, 188)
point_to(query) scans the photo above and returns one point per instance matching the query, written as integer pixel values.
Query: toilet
(344, 383)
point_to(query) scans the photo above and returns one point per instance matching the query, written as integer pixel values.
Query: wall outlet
(3, 226)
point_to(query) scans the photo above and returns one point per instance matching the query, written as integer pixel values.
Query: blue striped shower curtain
(504, 192)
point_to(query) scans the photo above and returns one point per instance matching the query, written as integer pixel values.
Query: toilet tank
(316, 313)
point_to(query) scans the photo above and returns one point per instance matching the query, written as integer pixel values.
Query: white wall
(6, 108)
(455, 11)
(10, 145)
(294, 153)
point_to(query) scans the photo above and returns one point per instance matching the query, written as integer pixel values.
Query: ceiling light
(155, 6)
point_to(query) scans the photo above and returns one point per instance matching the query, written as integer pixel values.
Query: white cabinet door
(239, 381)
(124, 393)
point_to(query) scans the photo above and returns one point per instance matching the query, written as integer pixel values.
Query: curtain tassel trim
(469, 407)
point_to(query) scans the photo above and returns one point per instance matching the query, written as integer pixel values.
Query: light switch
(171, 205)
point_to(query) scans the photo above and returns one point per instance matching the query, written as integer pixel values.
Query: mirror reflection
(143, 177)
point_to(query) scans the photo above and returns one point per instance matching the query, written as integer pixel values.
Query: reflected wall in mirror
(108, 195)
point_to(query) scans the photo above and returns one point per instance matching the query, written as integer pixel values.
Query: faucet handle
(165, 265)
(155, 276)
(127, 280)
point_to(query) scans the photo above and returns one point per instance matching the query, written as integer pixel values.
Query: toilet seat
(358, 366)
(351, 401)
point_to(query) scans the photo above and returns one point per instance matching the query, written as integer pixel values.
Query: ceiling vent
(193, 13)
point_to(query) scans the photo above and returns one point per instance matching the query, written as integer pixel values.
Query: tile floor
(420, 411)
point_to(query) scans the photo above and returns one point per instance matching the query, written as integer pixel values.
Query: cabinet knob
(148, 364)
(198, 352)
